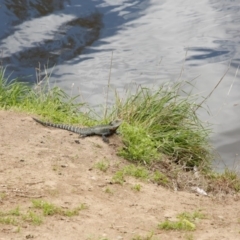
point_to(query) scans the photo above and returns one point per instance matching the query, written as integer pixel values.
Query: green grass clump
(191, 216)
(52, 103)
(160, 178)
(118, 177)
(10, 217)
(108, 190)
(139, 172)
(8, 220)
(13, 212)
(11, 92)
(102, 165)
(136, 171)
(33, 218)
(186, 221)
(163, 121)
(139, 146)
(50, 209)
(182, 224)
(137, 187)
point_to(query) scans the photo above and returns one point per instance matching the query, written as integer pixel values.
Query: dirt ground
(56, 166)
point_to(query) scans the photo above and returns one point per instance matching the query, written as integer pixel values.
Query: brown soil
(45, 163)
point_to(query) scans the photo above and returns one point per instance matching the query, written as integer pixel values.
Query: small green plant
(191, 216)
(118, 177)
(108, 190)
(50, 209)
(186, 221)
(136, 171)
(33, 218)
(130, 170)
(182, 224)
(102, 166)
(13, 212)
(10, 217)
(9, 220)
(139, 146)
(137, 187)
(15, 217)
(160, 178)
(75, 211)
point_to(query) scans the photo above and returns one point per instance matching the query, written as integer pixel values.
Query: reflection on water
(205, 53)
(24, 10)
(43, 35)
(69, 41)
(149, 41)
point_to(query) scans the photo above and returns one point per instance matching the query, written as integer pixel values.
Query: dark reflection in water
(72, 38)
(203, 53)
(27, 9)
(41, 32)
(14, 12)
(65, 42)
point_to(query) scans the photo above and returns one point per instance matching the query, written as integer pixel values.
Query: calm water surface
(151, 42)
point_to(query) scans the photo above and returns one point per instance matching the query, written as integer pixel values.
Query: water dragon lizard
(101, 130)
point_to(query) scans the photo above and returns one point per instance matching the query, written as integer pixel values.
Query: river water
(148, 43)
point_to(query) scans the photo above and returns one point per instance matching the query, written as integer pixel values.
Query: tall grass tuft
(52, 103)
(12, 92)
(163, 122)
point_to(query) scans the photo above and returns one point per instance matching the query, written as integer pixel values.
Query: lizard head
(116, 123)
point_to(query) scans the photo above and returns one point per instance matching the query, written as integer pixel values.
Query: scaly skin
(101, 130)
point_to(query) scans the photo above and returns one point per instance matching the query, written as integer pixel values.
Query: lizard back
(102, 130)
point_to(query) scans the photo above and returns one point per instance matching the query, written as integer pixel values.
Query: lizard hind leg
(82, 136)
(105, 139)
